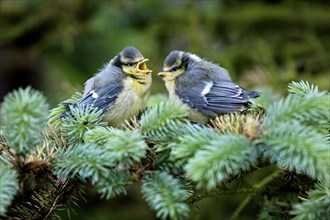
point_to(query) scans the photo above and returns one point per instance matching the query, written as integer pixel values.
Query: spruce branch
(163, 148)
(82, 118)
(274, 211)
(8, 186)
(297, 148)
(312, 110)
(220, 191)
(258, 185)
(55, 114)
(303, 88)
(165, 162)
(100, 135)
(53, 140)
(43, 202)
(317, 204)
(123, 147)
(190, 140)
(161, 122)
(295, 131)
(23, 116)
(90, 161)
(222, 157)
(320, 119)
(82, 161)
(309, 107)
(39, 193)
(114, 184)
(166, 195)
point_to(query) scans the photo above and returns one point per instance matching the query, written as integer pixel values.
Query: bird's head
(132, 62)
(176, 63)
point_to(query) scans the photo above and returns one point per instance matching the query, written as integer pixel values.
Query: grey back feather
(108, 75)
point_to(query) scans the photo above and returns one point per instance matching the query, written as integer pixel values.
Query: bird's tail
(251, 94)
(68, 112)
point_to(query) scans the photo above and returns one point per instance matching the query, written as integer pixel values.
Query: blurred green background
(55, 46)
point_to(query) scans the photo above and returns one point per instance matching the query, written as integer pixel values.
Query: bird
(206, 88)
(120, 89)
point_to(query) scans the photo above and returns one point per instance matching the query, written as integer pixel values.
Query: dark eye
(130, 64)
(175, 69)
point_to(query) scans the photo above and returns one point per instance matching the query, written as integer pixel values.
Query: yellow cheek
(173, 75)
(179, 72)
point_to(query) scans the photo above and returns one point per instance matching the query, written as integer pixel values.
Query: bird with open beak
(121, 89)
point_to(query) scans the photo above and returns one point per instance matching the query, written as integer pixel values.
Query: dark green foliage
(78, 36)
(273, 212)
(45, 200)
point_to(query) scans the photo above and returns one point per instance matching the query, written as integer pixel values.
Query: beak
(142, 66)
(163, 74)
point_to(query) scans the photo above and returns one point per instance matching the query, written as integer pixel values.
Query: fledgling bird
(204, 86)
(120, 89)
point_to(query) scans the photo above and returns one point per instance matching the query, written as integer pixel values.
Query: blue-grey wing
(212, 97)
(102, 98)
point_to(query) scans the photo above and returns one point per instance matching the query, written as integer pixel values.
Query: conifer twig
(246, 201)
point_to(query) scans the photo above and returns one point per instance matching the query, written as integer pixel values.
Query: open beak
(142, 66)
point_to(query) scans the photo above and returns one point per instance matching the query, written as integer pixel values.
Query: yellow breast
(129, 103)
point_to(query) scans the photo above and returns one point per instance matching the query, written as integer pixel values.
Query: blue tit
(121, 89)
(205, 87)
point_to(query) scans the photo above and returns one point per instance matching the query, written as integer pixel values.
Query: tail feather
(68, 112)
(251, 94)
